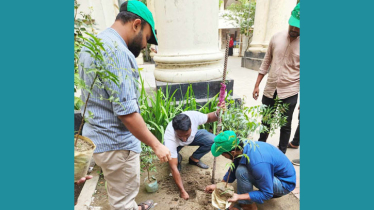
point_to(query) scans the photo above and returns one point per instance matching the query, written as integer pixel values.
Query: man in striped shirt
(117, 127)
(283, 58)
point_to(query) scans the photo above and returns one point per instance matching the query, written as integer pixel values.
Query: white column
(151, 7)
(261, 17)
(271, 17)
(187, 37)
(278, 16)
(104, 11)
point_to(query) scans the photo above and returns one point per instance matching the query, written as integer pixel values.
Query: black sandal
(149, 203)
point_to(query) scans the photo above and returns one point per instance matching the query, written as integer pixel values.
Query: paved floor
(244, 81)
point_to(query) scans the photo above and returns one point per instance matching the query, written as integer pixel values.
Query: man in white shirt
(183, 131)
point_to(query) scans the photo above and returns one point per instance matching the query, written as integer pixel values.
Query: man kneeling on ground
(183, 131)
(269, 170)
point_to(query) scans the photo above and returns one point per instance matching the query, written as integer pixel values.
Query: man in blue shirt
(268, 169)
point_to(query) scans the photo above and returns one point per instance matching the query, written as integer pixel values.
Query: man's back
(268, 154)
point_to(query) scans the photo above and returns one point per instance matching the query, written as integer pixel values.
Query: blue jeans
(205, 140)
(246, 182)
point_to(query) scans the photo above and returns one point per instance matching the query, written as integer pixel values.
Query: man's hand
(210, 188)
(234, 198)
(184, 195)
(256, 93)
(221, 106)
(162, 152)
(83, 179)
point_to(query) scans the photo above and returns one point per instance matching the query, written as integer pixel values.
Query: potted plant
(147, 158)
(85, 40)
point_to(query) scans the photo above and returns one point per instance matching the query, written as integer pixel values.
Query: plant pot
(221, 194)
(151, 186)
(82, 157)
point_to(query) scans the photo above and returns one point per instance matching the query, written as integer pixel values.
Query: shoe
(292, 146)
(180, 158)
(200, 164)
(296, 162)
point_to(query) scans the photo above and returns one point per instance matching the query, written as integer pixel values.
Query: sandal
(149, 203)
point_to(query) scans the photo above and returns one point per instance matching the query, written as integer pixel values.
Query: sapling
(146, 159)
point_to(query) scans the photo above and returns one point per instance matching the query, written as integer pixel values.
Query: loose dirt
(82, 146)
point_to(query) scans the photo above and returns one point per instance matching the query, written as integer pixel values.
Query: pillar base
(253, 60)
(188, 68)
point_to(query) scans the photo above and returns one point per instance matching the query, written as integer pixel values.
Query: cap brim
(294, 22)
(213, 149)
(153, 39)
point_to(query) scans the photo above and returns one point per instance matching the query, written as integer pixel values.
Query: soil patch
(167, 197)
(82, 146)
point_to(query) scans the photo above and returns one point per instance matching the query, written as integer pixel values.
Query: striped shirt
(283, 57)
(105, 129)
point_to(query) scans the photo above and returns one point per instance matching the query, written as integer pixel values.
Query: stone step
(252, 60)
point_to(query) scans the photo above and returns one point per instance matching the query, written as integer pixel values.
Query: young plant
(82, 24)
(146, 161)
(274, 116)
(102, 71)
(244, 121)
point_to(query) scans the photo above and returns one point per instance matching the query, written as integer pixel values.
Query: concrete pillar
(104, 12)
(187, 37)
(261, 19)
(278, 15)
(271, 17)
(151, 7)
(219, 38)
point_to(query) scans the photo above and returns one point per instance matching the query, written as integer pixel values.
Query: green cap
(224, 142)
(142, 11)
(295, 17)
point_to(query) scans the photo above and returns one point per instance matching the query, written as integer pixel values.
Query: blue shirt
(105, 129)
(266, 162)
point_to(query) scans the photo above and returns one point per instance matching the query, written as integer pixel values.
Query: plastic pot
(151, 187)
(82, 159)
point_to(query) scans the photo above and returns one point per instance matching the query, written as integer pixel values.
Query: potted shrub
(86, 41)
(147, 158)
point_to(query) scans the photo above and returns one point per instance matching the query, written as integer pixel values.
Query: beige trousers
(121, 170)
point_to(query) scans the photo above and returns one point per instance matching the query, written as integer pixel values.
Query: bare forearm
(177, 178)
(259, 79)
(244, 196)
(136, 125)
(212, 117)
